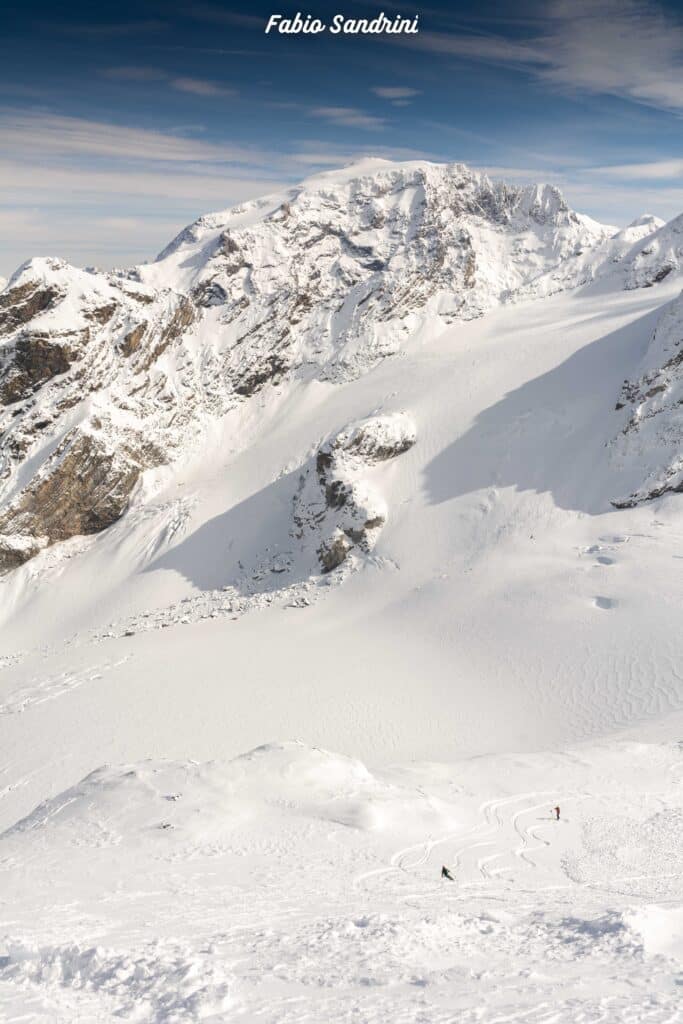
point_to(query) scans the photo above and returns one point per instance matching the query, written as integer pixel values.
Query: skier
(557, 813)
(445, 873)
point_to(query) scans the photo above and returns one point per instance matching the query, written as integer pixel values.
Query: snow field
(292, 884)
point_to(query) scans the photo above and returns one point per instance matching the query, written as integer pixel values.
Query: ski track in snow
(493, 825)
(45, 688)
(270, 918)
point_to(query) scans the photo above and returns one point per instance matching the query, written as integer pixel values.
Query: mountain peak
(647, 220)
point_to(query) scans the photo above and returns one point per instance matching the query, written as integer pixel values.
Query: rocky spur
(341, 25)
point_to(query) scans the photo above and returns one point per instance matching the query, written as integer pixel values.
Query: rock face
(105, 375)
(336, 507)
(85, 488)
(339, 272)
(652, 438)
(67, 377)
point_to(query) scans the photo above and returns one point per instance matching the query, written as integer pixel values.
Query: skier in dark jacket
(557, 813)
(445, 873)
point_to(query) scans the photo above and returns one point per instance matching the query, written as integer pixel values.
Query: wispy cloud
(632, 49)
(196, 86)
(41, 135)
(320, 155)
(56, 186)
(623, 47)
(102, 193)
(658, 170)
(493, 49)
(395, 92)
(349, 117)
(200, 87)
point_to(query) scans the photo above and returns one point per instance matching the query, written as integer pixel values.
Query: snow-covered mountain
(106, 376)
(318, 382)
(389, 463)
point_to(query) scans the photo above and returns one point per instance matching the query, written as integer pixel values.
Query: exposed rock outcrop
(337, 508)
(22, 302)
(38, 356)
(84, 487)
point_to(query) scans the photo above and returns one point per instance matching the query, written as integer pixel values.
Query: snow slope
(505, 605)
(294, 885)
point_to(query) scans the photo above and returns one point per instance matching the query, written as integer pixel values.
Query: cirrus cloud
(632, 49)
(349, 117)
(183, 83)
(395, 92)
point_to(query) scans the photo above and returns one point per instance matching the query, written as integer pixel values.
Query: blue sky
(121, 122)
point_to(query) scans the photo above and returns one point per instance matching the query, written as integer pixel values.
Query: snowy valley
(388, 464)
